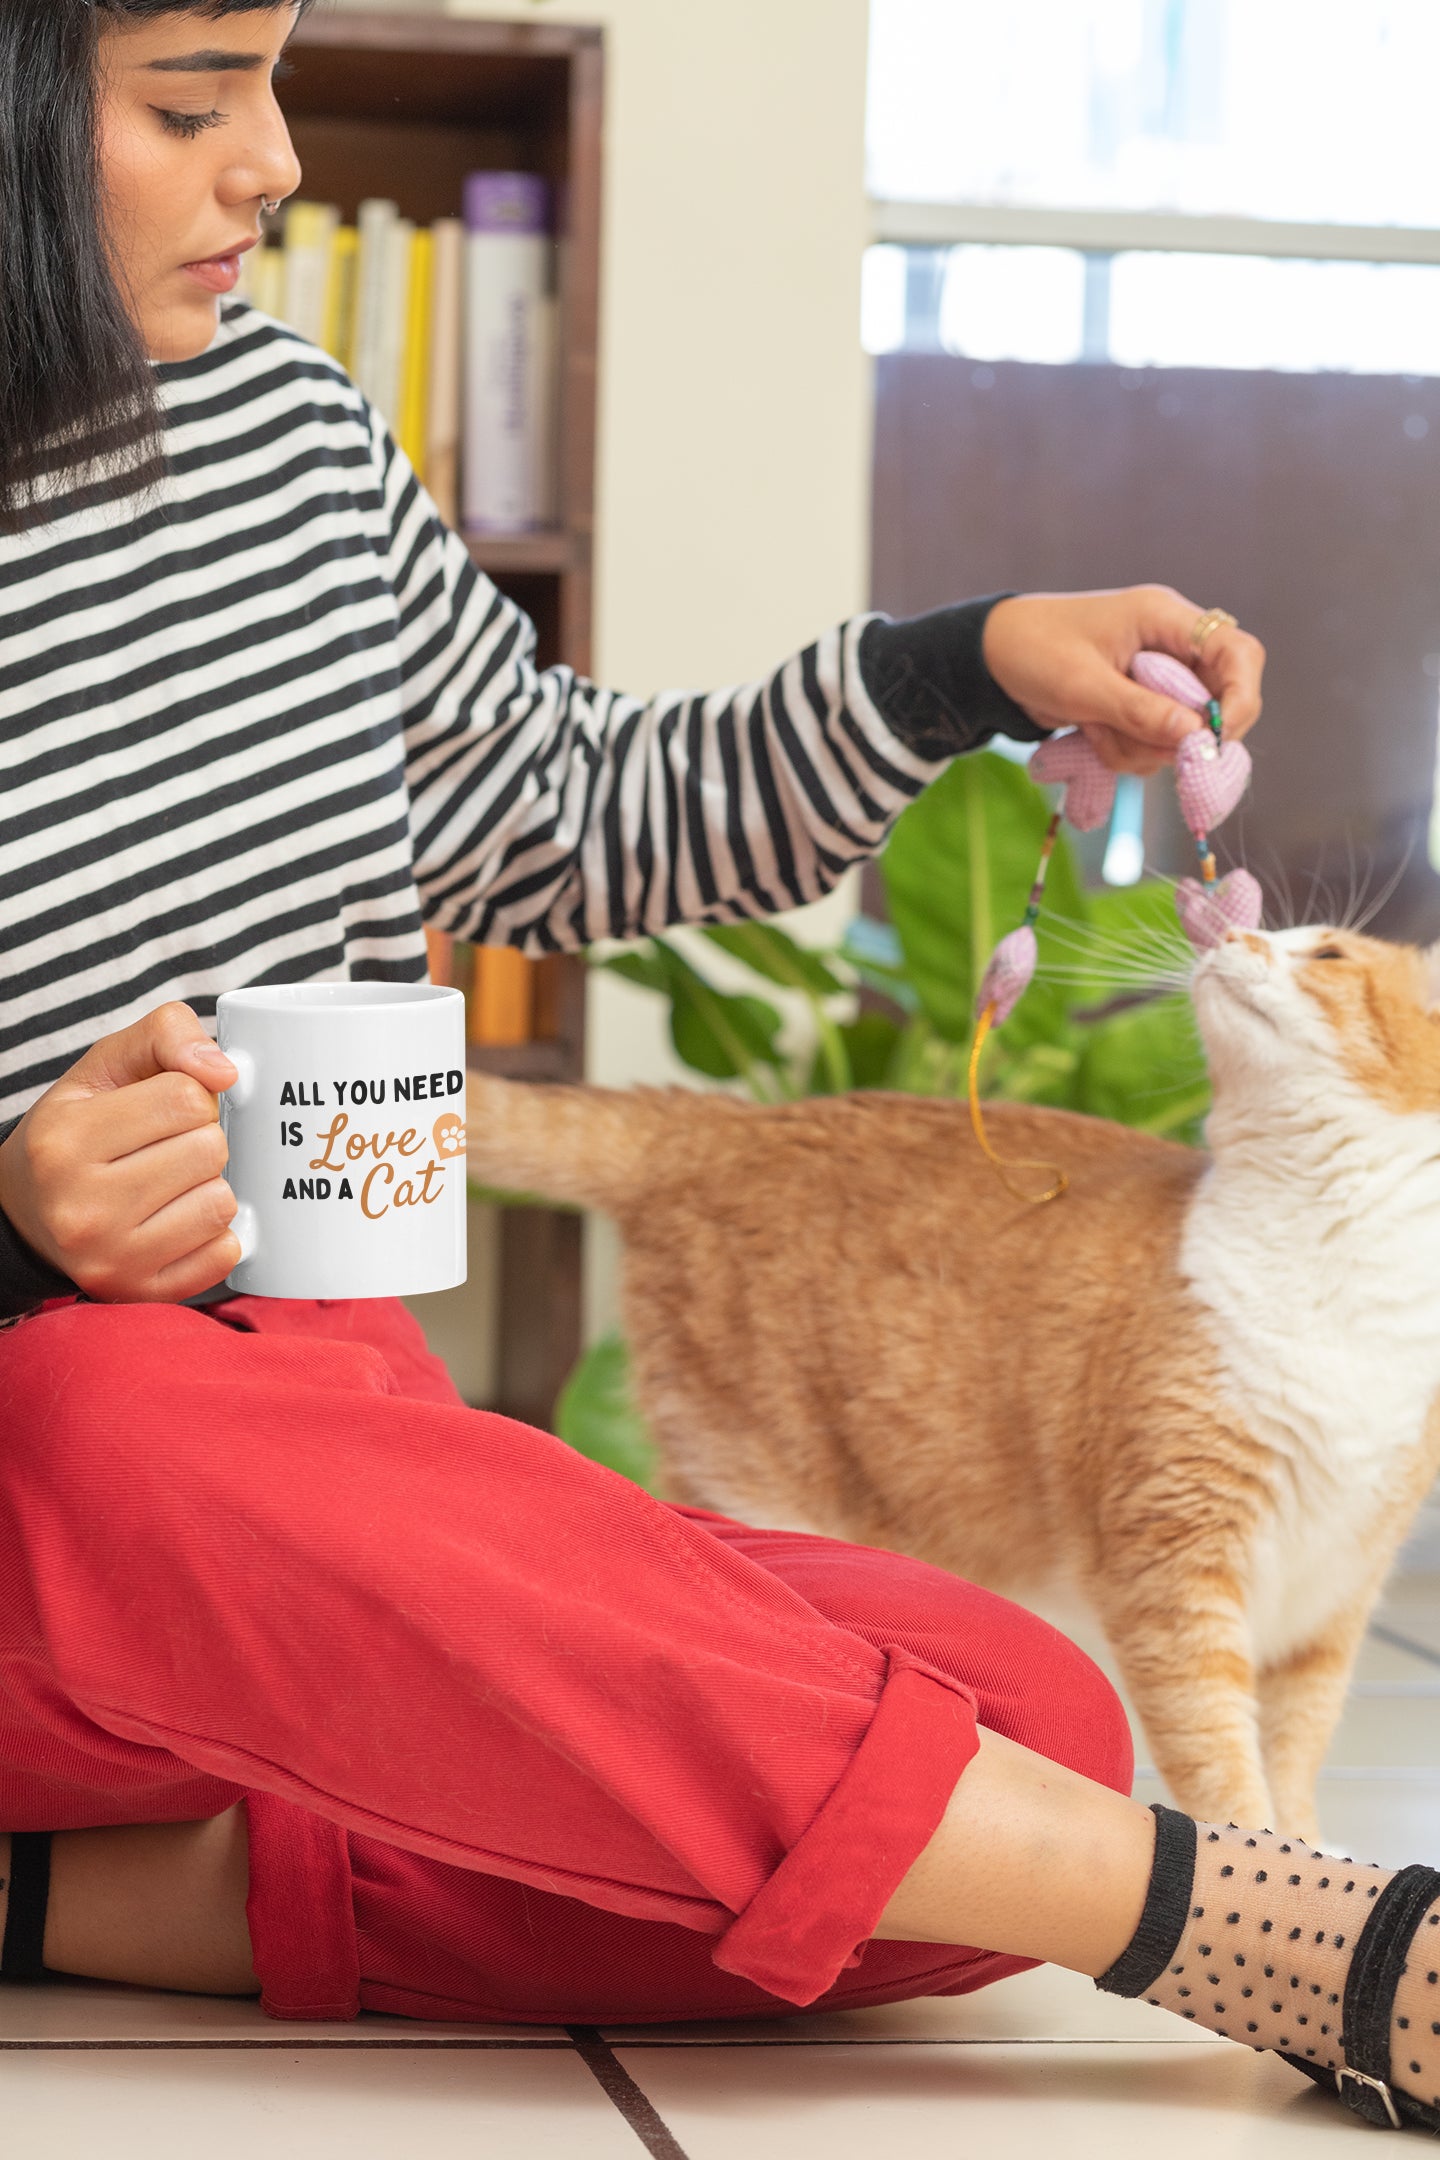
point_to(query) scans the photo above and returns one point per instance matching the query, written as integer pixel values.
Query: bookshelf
(406, 105)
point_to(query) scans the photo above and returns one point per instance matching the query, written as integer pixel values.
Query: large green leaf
(641, 967)
(778, 958)
(873, 950)
(958, 870)
(868, 1045)
(596, 1413)
(724, 1037)
(1144, 1066)
(1135, 939)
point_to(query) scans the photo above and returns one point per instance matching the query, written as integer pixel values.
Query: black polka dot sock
(1255, 1936)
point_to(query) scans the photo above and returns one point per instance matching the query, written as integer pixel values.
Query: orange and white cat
(1206, 1387)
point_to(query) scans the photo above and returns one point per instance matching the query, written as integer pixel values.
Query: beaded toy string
(1211, 775)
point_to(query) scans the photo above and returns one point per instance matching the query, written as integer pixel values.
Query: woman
(313, 1680)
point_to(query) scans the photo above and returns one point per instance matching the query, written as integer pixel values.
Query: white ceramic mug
(347, 1138)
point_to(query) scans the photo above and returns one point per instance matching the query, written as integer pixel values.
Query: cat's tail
(585, 1146)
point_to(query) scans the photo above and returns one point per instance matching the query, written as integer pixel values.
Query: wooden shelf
(524, 554)
(522, 1061)
(405, 106)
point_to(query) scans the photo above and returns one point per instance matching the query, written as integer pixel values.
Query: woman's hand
(1064, 657)
(114, 1175)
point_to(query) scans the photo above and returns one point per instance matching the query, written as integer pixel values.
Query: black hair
(78, 391)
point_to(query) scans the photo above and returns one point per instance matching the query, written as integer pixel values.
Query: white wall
(734, 425)
(735, 399)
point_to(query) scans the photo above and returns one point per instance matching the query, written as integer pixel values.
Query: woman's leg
(251, 1563)
(159, 1907)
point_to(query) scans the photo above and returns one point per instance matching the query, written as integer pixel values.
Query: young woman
(312, 1680)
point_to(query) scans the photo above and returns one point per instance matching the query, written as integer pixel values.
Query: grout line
(1397, 1641)
(621, 2089)
(912, 2040)
(283, 2047)
(662, 2151)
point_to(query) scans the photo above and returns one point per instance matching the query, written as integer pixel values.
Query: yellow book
(500, 1009)
(442, 429)
(309, 227)
(338, 336)
(267, 282)
(415, 371)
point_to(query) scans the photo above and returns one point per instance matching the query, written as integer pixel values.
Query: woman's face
(191, 139)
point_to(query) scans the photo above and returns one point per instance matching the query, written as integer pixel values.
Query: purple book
(506, 202)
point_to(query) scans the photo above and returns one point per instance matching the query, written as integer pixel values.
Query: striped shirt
(266, 725)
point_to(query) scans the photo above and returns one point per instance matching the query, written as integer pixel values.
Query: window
(1316, 110)
(1215, 184)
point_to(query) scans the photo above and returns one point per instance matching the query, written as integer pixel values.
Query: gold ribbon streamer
(1001, 1164)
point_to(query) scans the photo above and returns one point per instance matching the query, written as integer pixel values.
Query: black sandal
(1363, 2082)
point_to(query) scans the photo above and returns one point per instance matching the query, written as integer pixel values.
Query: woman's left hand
(1065, 657)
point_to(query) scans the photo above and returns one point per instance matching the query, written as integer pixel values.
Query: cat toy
(1211, 775)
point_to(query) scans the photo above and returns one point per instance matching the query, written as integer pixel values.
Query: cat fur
(1205, 1387)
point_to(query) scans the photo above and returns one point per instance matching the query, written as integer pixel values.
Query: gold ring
(1209, 622)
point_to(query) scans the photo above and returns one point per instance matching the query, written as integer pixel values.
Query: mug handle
(246, 1229)
(244, 1222)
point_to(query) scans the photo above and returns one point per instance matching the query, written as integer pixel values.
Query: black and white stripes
(256, 729)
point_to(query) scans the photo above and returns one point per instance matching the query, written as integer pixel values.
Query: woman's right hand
(115, 1175)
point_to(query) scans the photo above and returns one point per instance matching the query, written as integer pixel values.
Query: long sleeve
(547, 812)
(25, 1279)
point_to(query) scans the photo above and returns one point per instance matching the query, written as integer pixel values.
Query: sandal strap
(22, 1951)
(1376, 1967)
(1363, 2082)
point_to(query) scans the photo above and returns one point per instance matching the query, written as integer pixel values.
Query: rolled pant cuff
(300, 1912)
(822, 1904)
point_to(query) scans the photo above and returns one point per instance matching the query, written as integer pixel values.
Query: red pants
(516, 1740)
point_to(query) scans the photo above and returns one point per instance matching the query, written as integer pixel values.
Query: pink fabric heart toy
(1069, 761)
(1211, 775)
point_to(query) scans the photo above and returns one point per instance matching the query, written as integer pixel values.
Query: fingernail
(208, 1054)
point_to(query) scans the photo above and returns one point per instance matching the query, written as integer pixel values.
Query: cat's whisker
(1140, 938)
(1387, 891)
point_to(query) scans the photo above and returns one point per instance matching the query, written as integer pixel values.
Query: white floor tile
(352, 2104)
(1044, 2005)
(1384, 1732)
(1027, 2103)
(93, 2015)
(1411, 1606)
(1387, 1819)
(1382, 1664)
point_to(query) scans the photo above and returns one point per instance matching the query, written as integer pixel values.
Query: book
(500, 1007)
(411, 430)
(309, 233)
(339, 337)
(442, 436)
(373, 271)
(440, 952)
(262, 280)
(394, 320)
(508, 346)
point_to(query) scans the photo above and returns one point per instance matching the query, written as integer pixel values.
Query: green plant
(1100, 1030)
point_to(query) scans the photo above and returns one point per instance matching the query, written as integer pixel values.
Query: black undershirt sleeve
(25, 1279)
(927, 675)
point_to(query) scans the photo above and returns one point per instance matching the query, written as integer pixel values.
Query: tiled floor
(1039, 2065)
